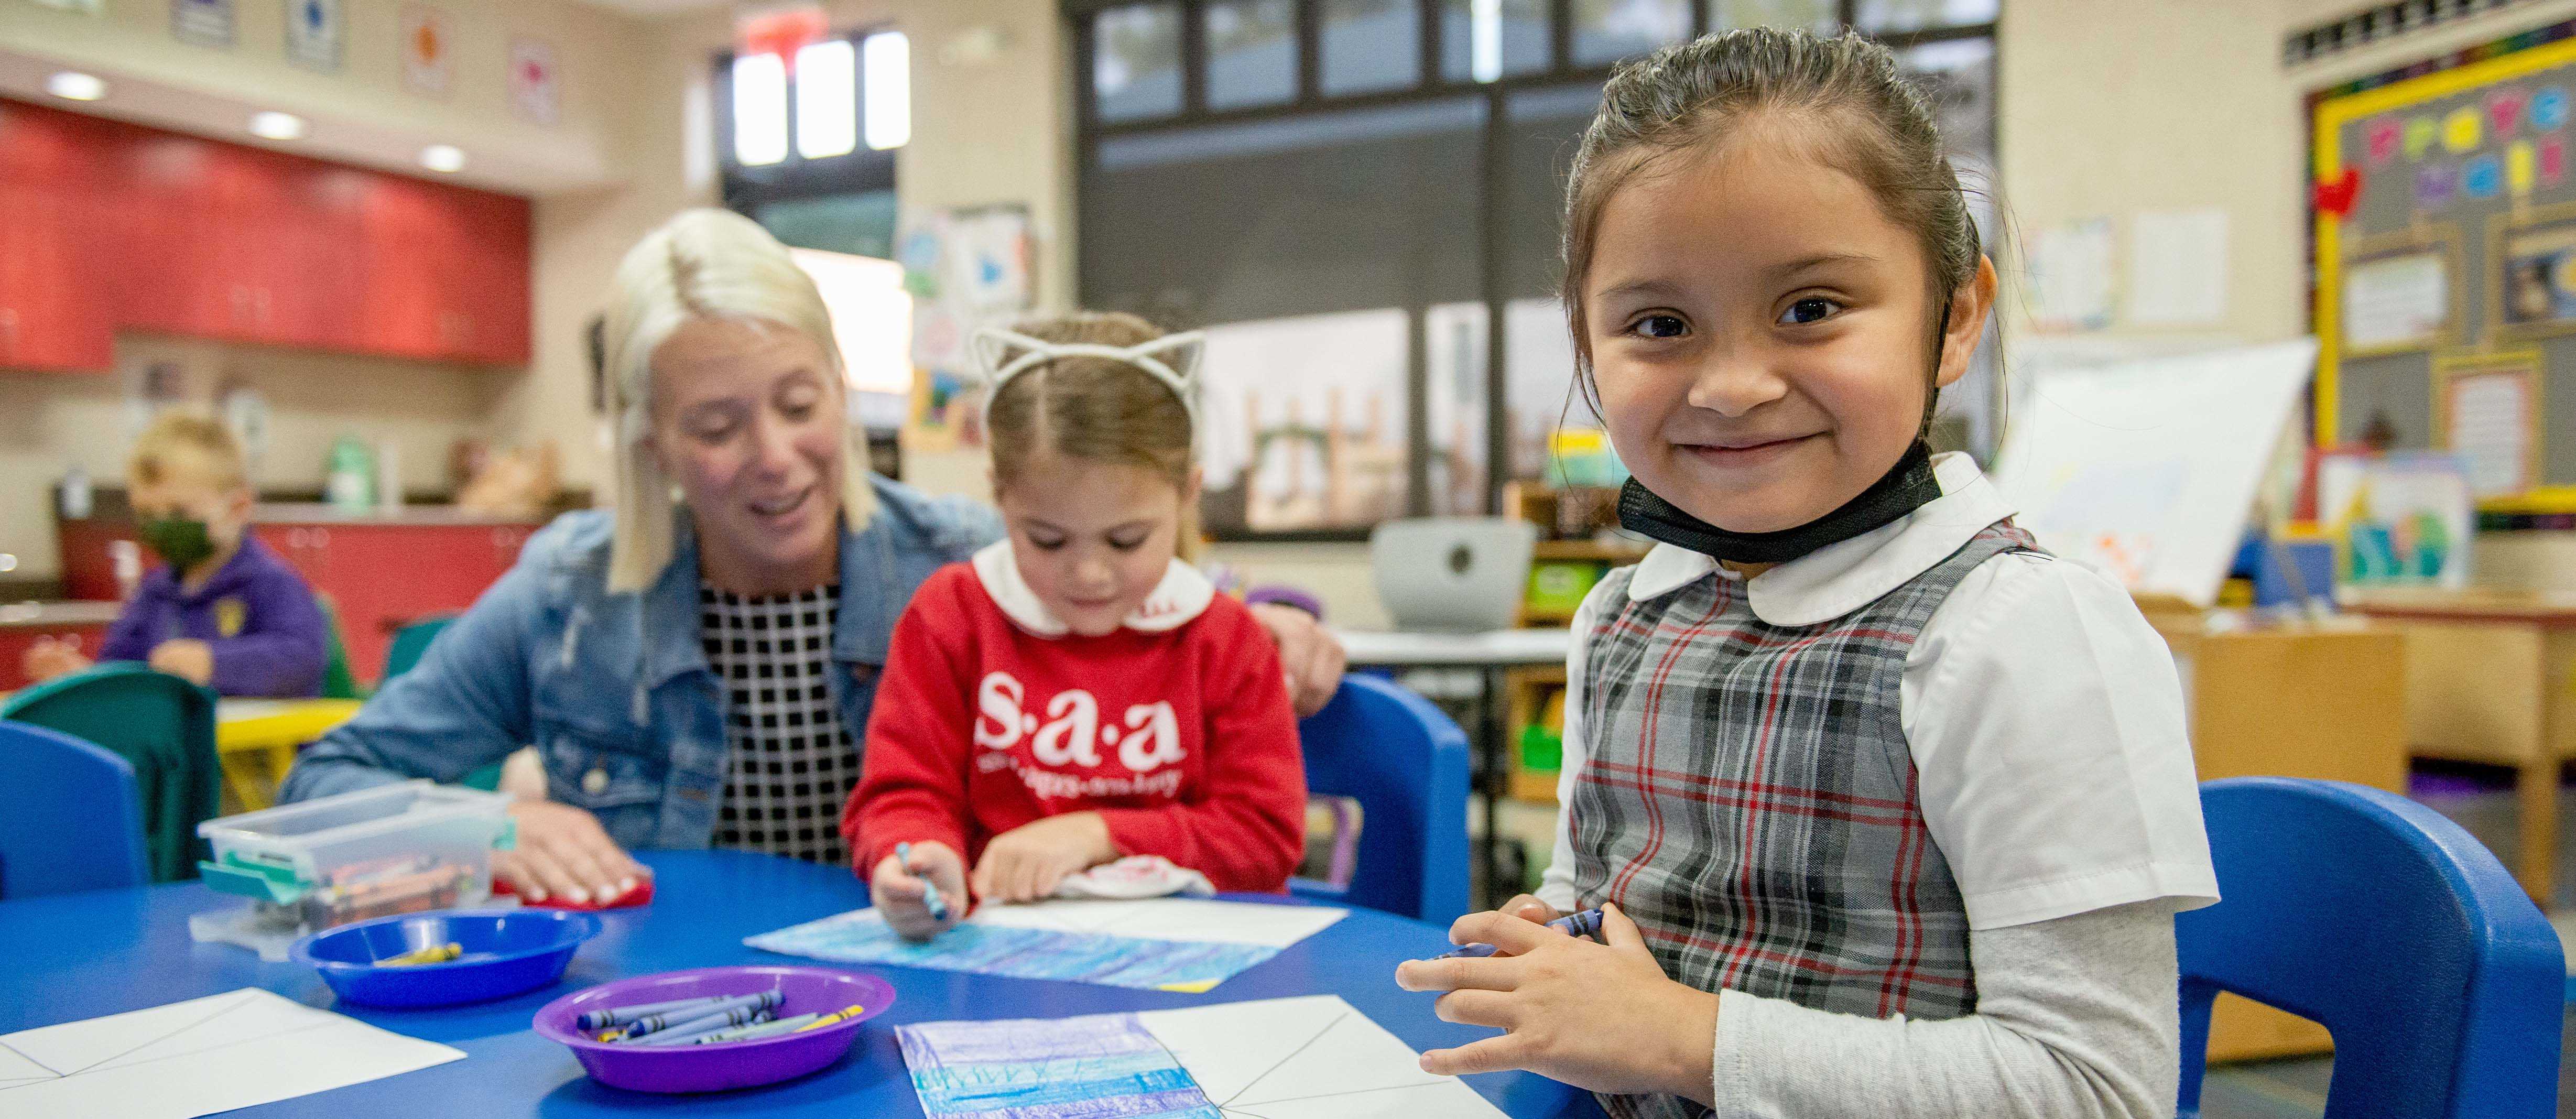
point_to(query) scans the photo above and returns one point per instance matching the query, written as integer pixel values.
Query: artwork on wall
(315, 33)
(206, 23)
(535, 86)
(428, 49)
(2486, 412)
(2401, 291)
(966, 269)
(2534, 280)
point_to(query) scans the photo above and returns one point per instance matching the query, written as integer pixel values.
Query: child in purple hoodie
(223, 611)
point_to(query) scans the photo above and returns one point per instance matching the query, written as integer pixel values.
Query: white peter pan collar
(1837, 579)
(1182, 595)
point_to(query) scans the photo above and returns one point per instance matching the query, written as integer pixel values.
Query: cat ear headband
(1172, 359)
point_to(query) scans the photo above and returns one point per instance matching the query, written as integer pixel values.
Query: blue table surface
(78, 956)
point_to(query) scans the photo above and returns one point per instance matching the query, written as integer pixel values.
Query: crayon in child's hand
(930, 899)
(1585, 924)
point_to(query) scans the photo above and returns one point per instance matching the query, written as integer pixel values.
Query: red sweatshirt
(1177, 729)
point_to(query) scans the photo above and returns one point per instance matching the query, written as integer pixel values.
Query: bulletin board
(2445, 238)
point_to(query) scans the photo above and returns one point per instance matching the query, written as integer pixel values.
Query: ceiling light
(446, 159)
(277, 126)
(72, 85)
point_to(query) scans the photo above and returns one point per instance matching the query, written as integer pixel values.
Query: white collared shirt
(2044, 715)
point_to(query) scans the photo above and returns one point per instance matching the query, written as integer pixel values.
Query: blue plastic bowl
(506, 951)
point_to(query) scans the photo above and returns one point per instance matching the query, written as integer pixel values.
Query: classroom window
(1251, 53)
(759, 109)
(1489, 40)
(827, 99)
(888, 66)
(1136, 62)
(1370, 45)
(1890, 17)
(1606, 31)
(1823, 17)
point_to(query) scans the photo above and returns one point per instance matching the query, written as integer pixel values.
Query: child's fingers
(1502, 930)
(1527, 907)
(983, 878)
(1493, 1054)
(1467, 973)
(1618, 931)
(1478, 1008)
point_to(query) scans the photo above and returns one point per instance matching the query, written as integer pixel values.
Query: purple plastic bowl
(723, 1065)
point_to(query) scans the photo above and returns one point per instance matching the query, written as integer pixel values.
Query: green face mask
(180, 540)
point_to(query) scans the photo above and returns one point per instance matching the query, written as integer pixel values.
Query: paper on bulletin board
(2178, 267)
(2070, 275)
(2146, 470)
(2396, 301)
(2490, 411)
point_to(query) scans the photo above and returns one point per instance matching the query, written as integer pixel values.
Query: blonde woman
(695, 672)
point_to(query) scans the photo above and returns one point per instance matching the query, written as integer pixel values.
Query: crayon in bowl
(434, 954)
(690, 1021)
(593, 1020)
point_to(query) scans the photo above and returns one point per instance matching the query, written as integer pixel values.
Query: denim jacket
(614, 689)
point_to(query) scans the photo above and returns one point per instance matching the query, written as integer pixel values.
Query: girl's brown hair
(1093, 408)
(1843, 97)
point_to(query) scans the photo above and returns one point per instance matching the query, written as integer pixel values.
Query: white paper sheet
(2178, 267)
(1313, 1057)
(1222, 922)
(2396, 301)
(198, 1057)
(2490, 429)
(2070, 275)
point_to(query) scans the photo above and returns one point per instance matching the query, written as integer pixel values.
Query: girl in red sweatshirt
(1078, 693)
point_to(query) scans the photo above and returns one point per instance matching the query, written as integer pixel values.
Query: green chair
(409, 643)
(161, 725)
(337, 681)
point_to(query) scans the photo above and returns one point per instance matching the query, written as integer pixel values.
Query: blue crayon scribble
(862, 937)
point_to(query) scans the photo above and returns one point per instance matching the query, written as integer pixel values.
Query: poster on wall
(966, 269)
(2397, 301)
(315, 33)
(535, 89)
(428, 46)
(82, 7)
(2539, 265)
(207, 23)
(2487, 413)
(2070, 276)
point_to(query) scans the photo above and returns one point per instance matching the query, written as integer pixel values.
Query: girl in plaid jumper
(1887, 811)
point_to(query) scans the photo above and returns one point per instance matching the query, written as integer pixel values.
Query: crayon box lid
(278, 854)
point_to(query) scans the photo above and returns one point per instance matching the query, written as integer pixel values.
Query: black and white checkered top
(793, 763)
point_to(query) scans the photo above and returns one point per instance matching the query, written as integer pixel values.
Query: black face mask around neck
(1906, 487)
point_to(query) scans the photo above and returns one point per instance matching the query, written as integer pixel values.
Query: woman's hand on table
(1027, 862)
(899, 889)
(1313, 657)
(562, 850)
(1600, 1016)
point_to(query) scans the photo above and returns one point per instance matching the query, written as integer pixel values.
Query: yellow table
(255, 734)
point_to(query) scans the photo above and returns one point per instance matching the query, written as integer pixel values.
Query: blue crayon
(656, 1023)
(621, 1015)
(715, 1025)
(930, 899)
(1584, 924)
(758, 1030)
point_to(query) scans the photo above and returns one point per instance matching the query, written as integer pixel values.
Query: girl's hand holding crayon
(1028, 862)
(1597, 1016)
(902, 889)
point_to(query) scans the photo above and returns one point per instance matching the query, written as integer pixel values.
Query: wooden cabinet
(53, 310)
(106, 225)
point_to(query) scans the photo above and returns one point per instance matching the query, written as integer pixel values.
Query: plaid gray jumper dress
(1749, 799)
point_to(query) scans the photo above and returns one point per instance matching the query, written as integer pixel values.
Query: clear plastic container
(401, 848)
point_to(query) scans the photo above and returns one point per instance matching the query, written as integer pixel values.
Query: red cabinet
(53, 309)
(157, 231)
(382, 576)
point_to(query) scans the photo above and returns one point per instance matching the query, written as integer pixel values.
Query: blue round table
(78, 956)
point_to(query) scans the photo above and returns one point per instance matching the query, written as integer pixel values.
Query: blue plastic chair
(1406, 765)
(161, 725)
(73, 817)
(409, 643)
(2385, 923)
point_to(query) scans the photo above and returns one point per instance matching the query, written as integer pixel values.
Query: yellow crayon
(434, 954)
(842, 1015)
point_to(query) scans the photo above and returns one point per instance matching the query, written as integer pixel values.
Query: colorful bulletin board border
(2442, 238)
(2332, 108)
